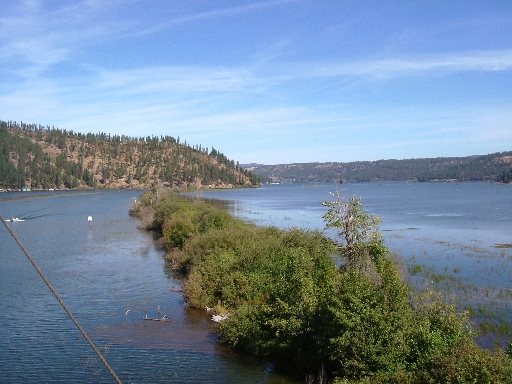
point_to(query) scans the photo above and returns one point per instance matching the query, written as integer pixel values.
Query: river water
(111, 275)
(101, 272)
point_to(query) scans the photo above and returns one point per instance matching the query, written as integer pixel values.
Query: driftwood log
(164, 319)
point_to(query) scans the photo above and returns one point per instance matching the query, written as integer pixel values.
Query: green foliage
(289, 273)
(266, 257)
(35, 167)
(165, 209)
(437, 328)
(210, 218)
(465, 362)
(506, 176)
(362, 330)
(177, 230)
(286, 298)
(180, 220)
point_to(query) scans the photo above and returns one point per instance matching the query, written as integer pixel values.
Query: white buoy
(89, 220)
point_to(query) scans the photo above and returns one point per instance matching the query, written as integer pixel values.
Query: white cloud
(214, 13)
(178, 79)
(36, 38)
(422, 65)
(269, 99)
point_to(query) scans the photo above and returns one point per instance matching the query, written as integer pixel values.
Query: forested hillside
(492, 167)
(42, 157)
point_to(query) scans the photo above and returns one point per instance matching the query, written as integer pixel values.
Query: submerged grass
(503, 245)
(488, 306)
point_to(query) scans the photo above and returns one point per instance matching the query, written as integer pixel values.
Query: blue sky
(275, 81)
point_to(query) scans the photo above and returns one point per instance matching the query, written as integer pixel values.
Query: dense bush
(286, 298)
(180, 221)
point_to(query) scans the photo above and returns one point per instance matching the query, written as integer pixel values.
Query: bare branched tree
(356, 228)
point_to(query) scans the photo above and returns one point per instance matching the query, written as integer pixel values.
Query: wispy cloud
(246, 80)
(94, 65)
(232, 10)
(178, 79)
(37, 38)
(214, 13)
(421, 65)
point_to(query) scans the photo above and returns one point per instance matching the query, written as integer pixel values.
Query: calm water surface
(467, 212)
(101, 273)
(111, 268)
(448, 229)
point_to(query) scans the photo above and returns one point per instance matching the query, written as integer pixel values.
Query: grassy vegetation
(503, 246)
(285, 298)
(488, 302)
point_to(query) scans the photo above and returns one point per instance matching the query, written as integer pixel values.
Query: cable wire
(61, 301)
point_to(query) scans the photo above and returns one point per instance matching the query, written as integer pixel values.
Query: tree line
(492, 167)
(506, 176)
(42, 157)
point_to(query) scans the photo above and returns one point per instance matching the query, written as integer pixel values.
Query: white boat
(14, 220)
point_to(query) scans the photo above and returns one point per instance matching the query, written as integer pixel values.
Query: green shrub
(167, 208)
(465, 362)
(286, 298)
(361, 331)
(210, 218)
(437, 328)
(178, 229)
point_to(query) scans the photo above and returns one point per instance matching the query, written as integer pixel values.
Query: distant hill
(39, 157)
(492, 167)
